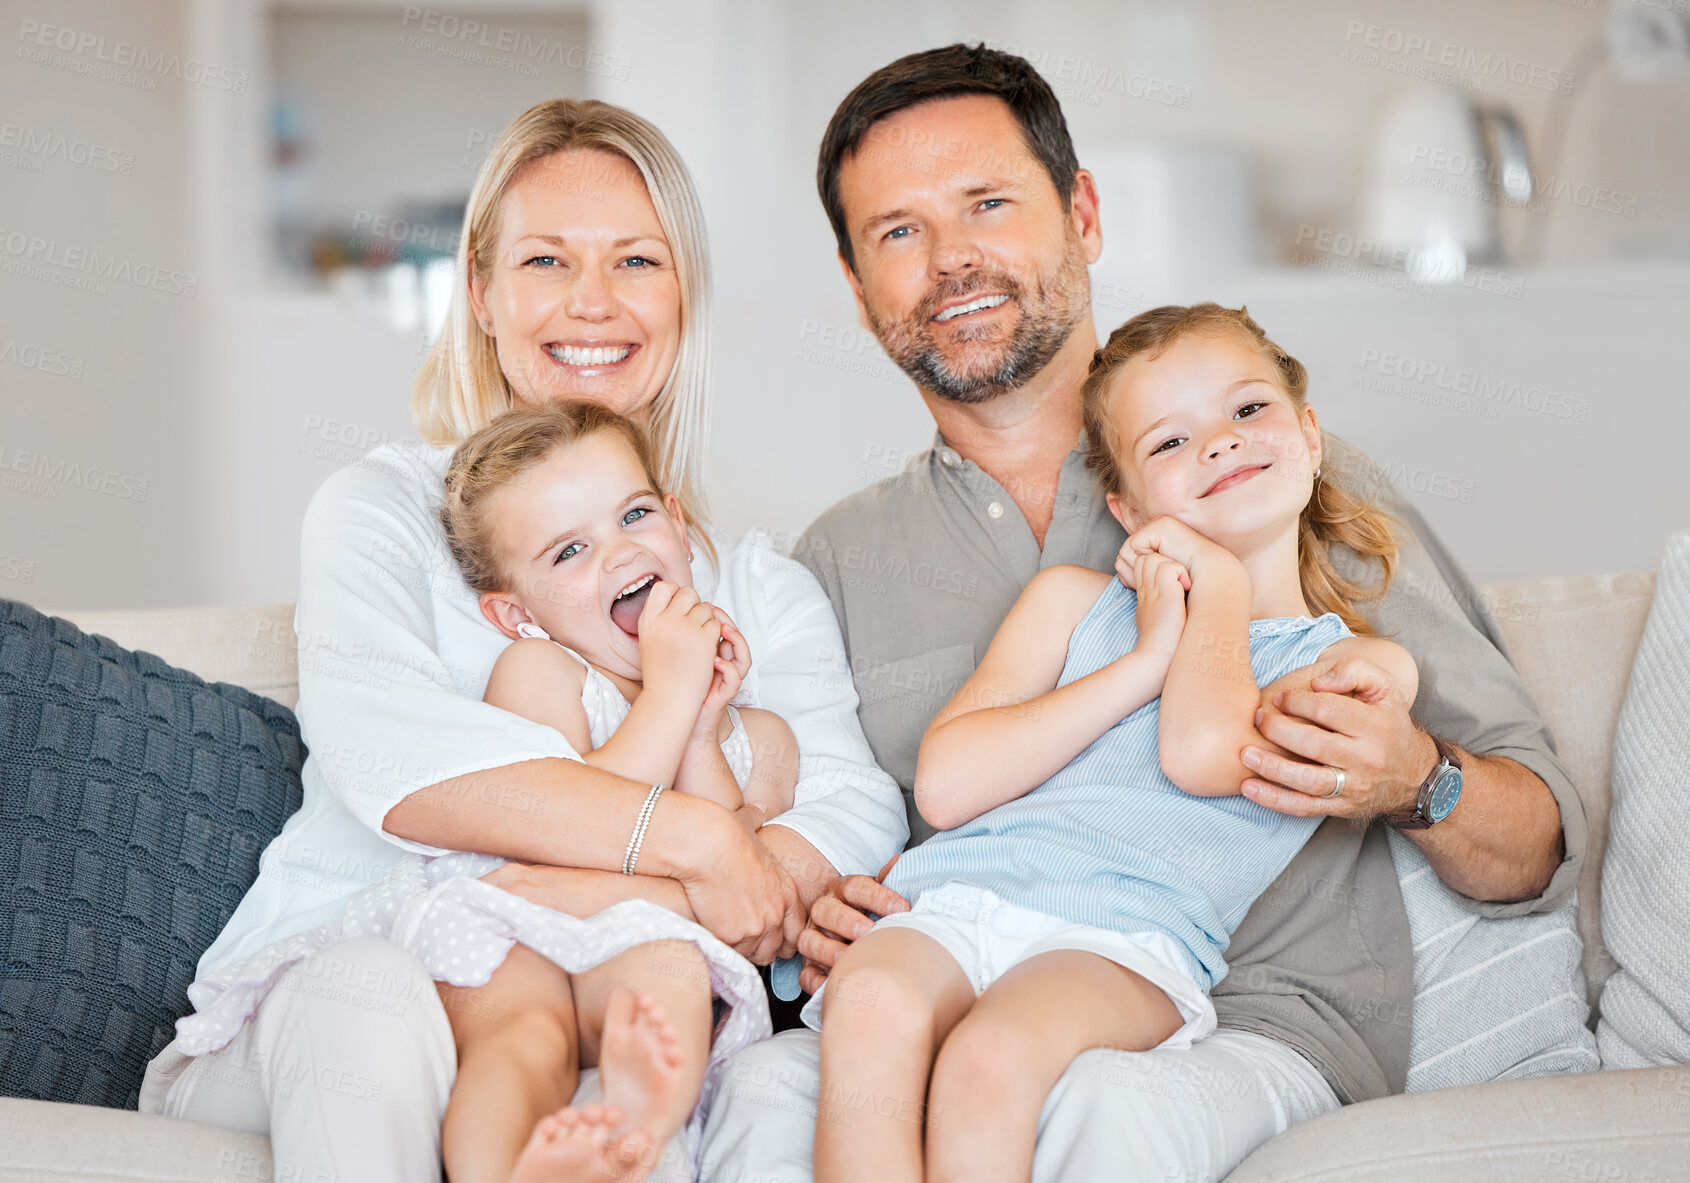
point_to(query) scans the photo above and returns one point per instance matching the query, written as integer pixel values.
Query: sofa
(1573, 639)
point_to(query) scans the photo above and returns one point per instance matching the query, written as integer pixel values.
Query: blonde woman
(585, 277)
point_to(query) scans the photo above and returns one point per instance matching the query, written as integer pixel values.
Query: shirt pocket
(900, 698)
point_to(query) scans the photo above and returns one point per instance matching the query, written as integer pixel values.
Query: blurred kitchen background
(223, 248)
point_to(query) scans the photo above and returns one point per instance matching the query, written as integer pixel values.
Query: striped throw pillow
(1494, 998)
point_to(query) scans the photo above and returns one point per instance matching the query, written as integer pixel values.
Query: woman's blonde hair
(1331, 515)
(461, 387)
(505, 451)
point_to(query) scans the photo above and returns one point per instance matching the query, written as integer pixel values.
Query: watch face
(1445, 792)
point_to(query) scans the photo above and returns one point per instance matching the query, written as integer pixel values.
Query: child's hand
(733, 662)
(1128, 562)
(1172, 538)
(1161, 584)
(679, 639)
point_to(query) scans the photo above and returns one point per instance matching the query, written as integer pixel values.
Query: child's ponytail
(1335, 515)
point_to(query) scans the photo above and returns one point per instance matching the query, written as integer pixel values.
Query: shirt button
(995, 510)
(947, 458)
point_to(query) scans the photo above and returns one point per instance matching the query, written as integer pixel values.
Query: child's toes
(631, 1150)
(668, 1038)
(564, 1145)
(593, 1113)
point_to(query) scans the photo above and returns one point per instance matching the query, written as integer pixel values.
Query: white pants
(1167, 1116)
(348, 1075)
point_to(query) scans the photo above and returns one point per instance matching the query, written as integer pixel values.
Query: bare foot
(640, 1059)
(580, 1146)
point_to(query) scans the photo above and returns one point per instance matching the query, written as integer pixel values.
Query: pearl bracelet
(632, 854)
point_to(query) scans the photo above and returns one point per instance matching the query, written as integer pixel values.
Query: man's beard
(1058, 300)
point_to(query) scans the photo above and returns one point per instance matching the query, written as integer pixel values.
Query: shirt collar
(949, 457)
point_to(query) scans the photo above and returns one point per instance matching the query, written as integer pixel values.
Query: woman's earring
(533, 631)
(1317, 474)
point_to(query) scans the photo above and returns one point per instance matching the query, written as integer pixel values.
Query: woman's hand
(679, 640)
(744, 896)
(1161, 584)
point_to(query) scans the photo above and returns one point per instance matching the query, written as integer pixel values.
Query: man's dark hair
(945, 73)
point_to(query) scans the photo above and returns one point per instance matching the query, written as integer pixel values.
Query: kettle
(1438, 171)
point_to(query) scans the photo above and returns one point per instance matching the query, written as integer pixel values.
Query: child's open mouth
(625, 609)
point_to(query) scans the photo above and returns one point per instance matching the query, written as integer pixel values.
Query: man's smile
(967, 307)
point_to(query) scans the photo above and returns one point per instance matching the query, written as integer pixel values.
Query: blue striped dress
(1110, 841)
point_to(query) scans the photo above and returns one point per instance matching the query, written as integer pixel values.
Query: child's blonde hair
(1331, 515)
(504, 451)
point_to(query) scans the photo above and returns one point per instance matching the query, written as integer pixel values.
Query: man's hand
(1344, 714)
(837, 918)
(745, 897)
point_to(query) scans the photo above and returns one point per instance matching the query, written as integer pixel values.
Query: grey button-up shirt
(922, 568)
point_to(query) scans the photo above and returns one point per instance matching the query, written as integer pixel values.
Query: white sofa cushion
(1623, 1127)
(1645, 891)
(251, 647)
(48, 1142)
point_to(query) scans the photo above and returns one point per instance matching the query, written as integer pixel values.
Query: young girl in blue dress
(1095, 853)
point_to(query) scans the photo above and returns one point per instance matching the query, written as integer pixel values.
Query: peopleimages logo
(1396, 44)
(1363, 258)
(40, 144)
(1486, 391)
(123, 55)
(496, 45)
(31, 255)
(45, 361)
(40, 474)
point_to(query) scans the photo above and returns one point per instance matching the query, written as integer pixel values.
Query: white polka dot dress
(460, 928)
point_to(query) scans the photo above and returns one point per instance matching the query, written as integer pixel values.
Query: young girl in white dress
(1094, 853)
(558, 520)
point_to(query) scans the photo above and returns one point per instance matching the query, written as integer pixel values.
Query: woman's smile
(591, 358)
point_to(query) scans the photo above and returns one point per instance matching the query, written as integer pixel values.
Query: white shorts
(987, 935)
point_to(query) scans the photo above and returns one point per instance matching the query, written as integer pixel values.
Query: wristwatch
(1438, 792)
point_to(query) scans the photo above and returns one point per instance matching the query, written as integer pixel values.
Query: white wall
(123, 407)
(224, 401)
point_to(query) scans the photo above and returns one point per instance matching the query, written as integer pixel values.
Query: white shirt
(394, 657)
